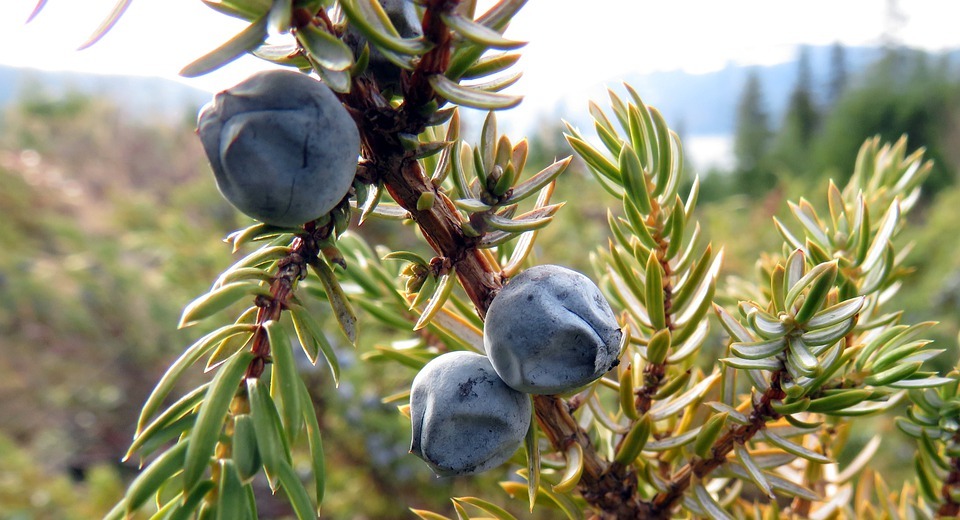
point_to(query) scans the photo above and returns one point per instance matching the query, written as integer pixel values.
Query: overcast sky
(574, 44)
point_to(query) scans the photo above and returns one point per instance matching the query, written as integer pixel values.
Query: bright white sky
(574, 44)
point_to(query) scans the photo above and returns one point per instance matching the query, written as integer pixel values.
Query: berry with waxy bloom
(282, 147)
(550, 330)
(465, 420)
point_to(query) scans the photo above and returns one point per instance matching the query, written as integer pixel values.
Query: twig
(950, 508)
(291, 269)
(663, 503)
(440, 224)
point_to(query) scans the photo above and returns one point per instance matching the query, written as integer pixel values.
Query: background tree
(795, 138)
(900, 93)
(838, 75)
(751, 143)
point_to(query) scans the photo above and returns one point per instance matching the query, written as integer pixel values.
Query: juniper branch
(440, 224)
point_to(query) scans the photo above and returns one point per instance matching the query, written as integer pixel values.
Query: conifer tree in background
(901, 93)
(751, 143)
(794, 140)
(838, 75)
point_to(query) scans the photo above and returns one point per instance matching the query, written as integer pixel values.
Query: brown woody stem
(950, 508)
(441, 223)
(291, 269)
(654, 373)
(664, 502)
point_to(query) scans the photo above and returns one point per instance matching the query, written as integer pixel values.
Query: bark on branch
(615, 494)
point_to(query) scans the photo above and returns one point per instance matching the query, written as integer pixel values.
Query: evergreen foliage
(729, 399)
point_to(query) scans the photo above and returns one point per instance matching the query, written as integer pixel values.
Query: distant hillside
(698, 104)
(139, 96)
(705, 104)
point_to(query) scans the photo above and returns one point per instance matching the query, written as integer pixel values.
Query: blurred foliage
(30, 491)
(85, 253)
(801, 121)
(906, 92)
(751, 146)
